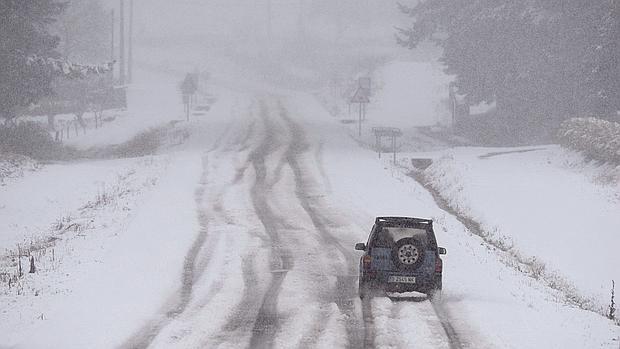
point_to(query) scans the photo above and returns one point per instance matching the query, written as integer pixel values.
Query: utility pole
(359, 122)
(301, 25)
(112, 59)
(66, 48)
(130, 58)
(394, 148)
(452, 96)
(339, 23)
(121, 75)
(269, 29)
(112, 35)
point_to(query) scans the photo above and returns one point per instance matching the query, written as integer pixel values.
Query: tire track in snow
(453, 337)
(369, 323)
(243, 319)
(247, 136)
(442, 314)
(220, 138)
(193, 266)
(245, 144)
(220, 215)
(145, 336)
(250, 302)
(344, 291)
(267, 319)
(319, 159)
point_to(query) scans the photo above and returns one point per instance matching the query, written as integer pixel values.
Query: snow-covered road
(284, 195)
(274, 264)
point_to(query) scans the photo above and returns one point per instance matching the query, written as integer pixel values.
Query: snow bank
(534, 204)
(596, 138)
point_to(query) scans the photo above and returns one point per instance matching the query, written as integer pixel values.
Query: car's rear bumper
(424, 283)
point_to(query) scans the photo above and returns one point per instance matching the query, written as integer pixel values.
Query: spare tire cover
(408, 253)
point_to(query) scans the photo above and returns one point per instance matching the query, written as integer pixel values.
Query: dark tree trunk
(33, 269)
(80, 119)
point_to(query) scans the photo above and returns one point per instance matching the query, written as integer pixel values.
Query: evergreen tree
(25, 44)
(84, 32)
(541, 61)
(605, 81)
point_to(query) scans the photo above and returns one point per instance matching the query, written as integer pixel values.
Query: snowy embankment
(597, 139)
(544, 206)
(95, 246)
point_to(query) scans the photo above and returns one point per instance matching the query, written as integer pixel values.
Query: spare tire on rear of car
(408, 253)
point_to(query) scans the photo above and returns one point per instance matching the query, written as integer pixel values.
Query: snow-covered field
(545, 204)
(58, 193)
(151, 103)
(92, 239)
(108, 237)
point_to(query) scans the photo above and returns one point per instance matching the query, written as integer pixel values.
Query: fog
(317, 35)
(219, 174)
(260, 21)
(305, 45)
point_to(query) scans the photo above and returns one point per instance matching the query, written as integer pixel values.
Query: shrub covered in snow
(596, 138)
(29, 139)
(13, 165)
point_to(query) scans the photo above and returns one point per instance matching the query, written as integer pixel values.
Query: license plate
(402, 279)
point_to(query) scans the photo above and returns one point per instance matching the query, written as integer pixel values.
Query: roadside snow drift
(541, 202)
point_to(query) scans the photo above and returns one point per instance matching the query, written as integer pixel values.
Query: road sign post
(359, 122)
(360, 97)
(391, 132)
(189, 86)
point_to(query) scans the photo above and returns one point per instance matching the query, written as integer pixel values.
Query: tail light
(438, 265)
(366, 262)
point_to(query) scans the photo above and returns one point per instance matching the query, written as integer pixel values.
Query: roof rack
(401, 220)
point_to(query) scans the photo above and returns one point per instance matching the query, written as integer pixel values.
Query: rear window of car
(388, 236)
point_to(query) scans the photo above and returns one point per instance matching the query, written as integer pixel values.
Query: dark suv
(401, 256)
